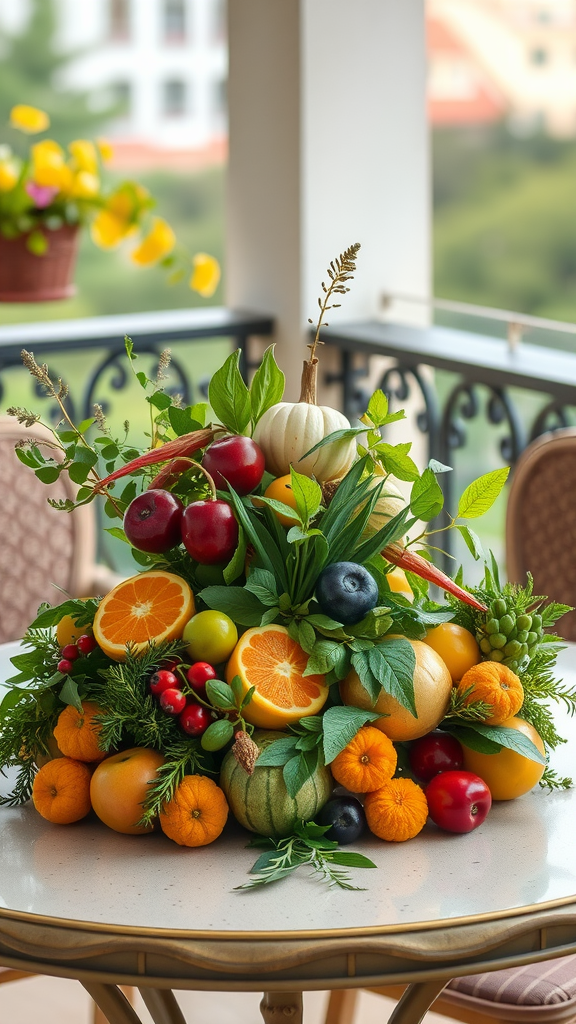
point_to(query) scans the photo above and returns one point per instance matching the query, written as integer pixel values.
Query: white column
(328, 146)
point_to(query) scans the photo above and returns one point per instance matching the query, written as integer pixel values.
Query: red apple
(458, 801)
(433, 753)
(152, 521)
(209, 531)
(236, 461)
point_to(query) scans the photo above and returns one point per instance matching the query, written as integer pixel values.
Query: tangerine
(61, 791)
(281, 490)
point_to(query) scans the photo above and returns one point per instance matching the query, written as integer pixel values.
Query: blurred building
(518, 54)
(164, 61)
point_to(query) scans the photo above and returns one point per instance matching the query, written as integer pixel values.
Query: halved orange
(267, 658)
(153, 605)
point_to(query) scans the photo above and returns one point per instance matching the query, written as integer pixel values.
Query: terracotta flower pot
(25, 277)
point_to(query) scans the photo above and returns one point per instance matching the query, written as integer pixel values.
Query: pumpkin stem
(309, 380)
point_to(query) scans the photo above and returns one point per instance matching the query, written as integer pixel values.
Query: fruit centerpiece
(278, 655)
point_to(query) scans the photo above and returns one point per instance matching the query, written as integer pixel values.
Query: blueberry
(346, 817)
(346, 592)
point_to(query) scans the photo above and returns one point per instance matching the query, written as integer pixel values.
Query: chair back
(41, 548)
(541, 521)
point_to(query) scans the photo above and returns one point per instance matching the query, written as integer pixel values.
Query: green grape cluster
(508, 635)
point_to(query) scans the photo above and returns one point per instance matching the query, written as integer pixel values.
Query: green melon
(261, 801)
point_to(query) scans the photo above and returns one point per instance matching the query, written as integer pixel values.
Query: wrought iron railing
(103, 337)
(521, 391)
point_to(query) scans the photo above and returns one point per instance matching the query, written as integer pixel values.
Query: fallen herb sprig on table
(309, 846)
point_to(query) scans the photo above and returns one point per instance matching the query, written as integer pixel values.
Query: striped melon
(261, 801)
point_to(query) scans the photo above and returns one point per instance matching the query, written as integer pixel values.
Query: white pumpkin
(288, 430)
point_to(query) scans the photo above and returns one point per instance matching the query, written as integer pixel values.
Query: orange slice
(150, 606)
(268, 659)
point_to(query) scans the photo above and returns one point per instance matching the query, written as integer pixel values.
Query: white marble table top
(522, 856)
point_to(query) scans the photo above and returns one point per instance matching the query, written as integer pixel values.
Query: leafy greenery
(308, 846)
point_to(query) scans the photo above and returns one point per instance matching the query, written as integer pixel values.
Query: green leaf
(260, 538)
(262, 583)
(242, 606)
(160, 400)
(235, 567)
(324, 656)
(340, 725)
(481, 494)
(308, 495)
(472, 541)
(306, 636)
(388, 666)
(280, 507)
(513, 739)
(267, 386)
(426, 498)
(217, 735)
(182, 421)
(78, 472)
(299, 769)
(377, 410)
(345, 434)
(48, 474)
(396, 460)
(220, 695)
(229, 396)
(351, 859)
(117, 532)
(468, 737)
(69, 693)
(375, 624)
(278, 753)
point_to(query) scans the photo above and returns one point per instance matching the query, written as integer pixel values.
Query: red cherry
(152, 521)
(172, 701)
(209, 531)
(65, 666)
(195, 719)
(236, 461)
(458, 801)
(70, 652)
(86, 643)
(433, 753)
(198, 675)
(163, 680)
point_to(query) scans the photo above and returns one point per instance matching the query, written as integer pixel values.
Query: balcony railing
(104, 337)
(508, 394)
(521, 391)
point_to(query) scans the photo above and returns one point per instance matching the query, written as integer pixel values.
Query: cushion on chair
(542, 991)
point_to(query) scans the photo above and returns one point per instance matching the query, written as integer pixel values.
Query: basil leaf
(229, 396)
(242, 606)
(267, 386)
(426, 498)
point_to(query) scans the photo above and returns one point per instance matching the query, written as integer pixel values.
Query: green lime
(211, 636)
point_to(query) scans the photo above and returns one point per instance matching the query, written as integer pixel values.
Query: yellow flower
(29, 119)
(108, 230)
(105, 149)
(49, 166)
(84, 154)
(206, 274)
(158, 243)
(8, 175)
(85, 185)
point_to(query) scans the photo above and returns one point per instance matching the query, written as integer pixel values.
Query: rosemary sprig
(307, 846)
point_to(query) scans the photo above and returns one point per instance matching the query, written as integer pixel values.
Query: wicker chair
(541, 521)
(41, 548)
(540, 537)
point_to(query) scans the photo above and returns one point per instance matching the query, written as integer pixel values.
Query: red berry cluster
(70, 652)
(194, 718)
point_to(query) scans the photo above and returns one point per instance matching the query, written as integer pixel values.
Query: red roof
(483, 105)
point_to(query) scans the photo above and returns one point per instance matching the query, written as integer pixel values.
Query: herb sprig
(308, 846)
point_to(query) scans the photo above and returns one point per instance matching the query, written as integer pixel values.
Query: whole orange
(507, 774)
(456, 646)
(119, 787)
(432, 686)
(281, 490)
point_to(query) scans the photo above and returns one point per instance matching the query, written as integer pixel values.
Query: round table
(85, 902)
